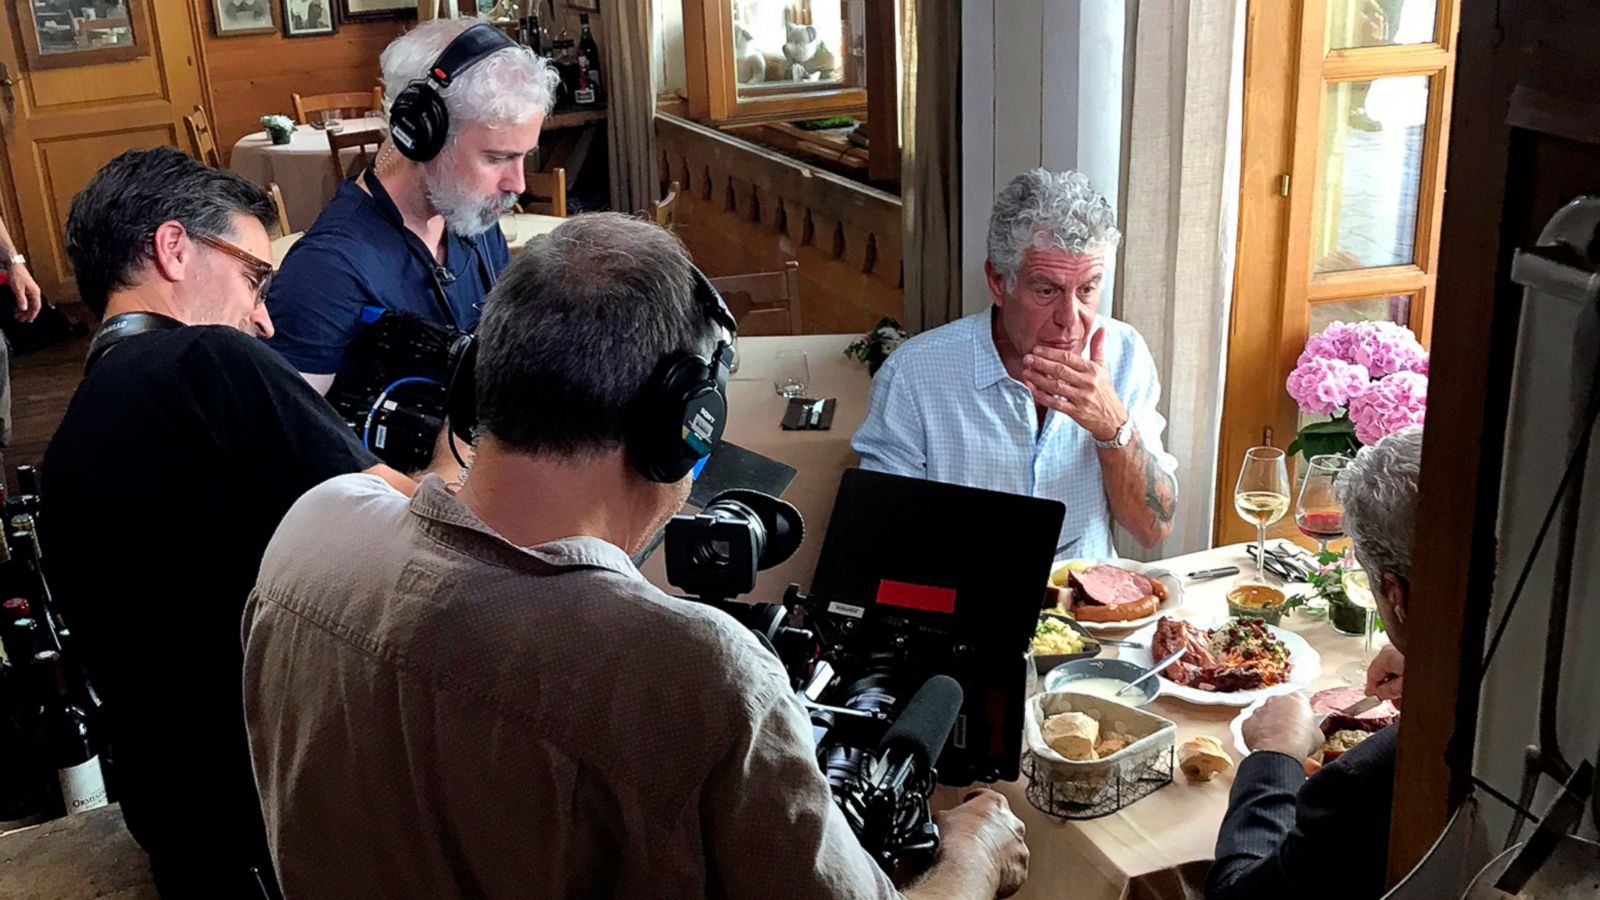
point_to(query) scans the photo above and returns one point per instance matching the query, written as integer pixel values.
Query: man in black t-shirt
(180, 452)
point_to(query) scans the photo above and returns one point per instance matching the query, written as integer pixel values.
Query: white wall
(1558, 346)
(1041, 85)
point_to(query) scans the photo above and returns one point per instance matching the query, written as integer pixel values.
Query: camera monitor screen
(948, 580)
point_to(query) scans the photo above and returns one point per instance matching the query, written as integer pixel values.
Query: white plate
(1237, 727)
(1305, 667)
(1168, 580)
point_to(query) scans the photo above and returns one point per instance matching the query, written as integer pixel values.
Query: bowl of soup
(1256, 601)
(1103, 678)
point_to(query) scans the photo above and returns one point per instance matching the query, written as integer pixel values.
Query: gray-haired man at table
(1286, 835)
(1038, 394)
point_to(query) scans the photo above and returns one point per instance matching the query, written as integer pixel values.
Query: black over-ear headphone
(418, 119)
(679, 414)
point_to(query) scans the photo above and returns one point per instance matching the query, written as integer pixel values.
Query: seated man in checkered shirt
(1038, 394)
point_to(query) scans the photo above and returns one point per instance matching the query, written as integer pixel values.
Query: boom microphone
(887, 805)
(924, 726)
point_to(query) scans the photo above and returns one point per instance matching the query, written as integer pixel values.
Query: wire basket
(1088, 789)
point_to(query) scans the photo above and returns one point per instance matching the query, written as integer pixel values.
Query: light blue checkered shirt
(943, 407)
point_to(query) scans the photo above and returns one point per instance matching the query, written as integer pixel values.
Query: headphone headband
(469, 48)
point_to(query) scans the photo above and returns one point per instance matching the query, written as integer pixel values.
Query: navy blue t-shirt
(354, 257)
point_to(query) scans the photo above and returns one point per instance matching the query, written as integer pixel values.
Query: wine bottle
(588, 50)
(584, 94)
(65, 738)
(26, 578)
(22, 794)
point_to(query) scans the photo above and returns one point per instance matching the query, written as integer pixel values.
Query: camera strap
(439, 274)
(120, 327)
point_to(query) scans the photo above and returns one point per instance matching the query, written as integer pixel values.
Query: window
(753, 65)
(1345, 123)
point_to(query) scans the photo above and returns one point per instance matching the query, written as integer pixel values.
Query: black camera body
(394, 391)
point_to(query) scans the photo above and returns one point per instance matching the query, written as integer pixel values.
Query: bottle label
(82, 787)
(584, 95)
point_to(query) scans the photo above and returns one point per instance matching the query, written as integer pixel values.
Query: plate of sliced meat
(1234, 662)
(1340, 730)
(1114, 594)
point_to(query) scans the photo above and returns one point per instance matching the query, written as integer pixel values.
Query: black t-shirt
(179, 455)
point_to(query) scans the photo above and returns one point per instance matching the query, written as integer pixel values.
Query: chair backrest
(665, 213)
(545, 193)
(338, 141)
(308, 107)
(205, 144)
(767, 303)
(276, 194)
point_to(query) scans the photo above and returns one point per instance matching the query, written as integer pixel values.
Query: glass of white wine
(1262, 496)
(1358, 588)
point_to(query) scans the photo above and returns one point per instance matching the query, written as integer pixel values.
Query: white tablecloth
(303, 168)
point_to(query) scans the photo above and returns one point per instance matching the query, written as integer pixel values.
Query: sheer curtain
(931, 162)
(1184, 90)
(631, 102)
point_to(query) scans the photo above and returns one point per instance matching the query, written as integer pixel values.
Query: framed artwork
(65, 34)
(374, 10)
(306, 18)
(235, 17)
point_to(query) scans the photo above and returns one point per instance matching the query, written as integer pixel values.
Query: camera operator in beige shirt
(477, 694)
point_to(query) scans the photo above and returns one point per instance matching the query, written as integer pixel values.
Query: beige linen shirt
(435, 712)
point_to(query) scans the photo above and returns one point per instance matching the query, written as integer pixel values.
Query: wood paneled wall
(251, 76)
(747, 209)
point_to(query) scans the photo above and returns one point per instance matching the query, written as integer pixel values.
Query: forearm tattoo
(1160, 493)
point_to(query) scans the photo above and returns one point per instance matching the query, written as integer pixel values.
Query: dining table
(302, 168)
(1156, 848)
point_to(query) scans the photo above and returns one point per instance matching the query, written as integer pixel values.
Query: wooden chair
(342, 140)
(545, 193)
(205, 144)
(665, 213)
(276, 194)
(767, 303)
(349, 103)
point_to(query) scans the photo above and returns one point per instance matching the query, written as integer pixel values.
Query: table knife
(1354, 709)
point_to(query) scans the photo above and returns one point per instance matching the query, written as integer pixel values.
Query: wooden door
(70, 112)
(1346, 125)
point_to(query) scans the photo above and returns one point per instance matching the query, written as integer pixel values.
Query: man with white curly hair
(1039, 394)
(416, 237)
(1284, 832)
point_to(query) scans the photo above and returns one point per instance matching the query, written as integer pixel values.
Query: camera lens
(713, 553)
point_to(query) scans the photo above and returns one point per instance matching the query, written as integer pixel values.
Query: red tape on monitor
(917, 596)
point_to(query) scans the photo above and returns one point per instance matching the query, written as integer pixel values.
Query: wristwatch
(16, 260)
(1120, 439)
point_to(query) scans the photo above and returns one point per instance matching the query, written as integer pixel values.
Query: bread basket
(1087, 789)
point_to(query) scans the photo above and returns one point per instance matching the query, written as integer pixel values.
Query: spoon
(1154, 669)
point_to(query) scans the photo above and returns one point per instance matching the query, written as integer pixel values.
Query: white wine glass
(1262, 496)
(1358, 588)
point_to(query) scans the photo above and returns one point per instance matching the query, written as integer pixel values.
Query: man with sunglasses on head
(180, 452)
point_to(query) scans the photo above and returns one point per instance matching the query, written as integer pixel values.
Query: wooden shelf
(574, 117)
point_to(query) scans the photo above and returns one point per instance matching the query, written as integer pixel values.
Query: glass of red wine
(1318, 513)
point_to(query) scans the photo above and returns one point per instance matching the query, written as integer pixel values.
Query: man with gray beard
(418, 237)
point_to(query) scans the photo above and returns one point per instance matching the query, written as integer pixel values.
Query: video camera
(393, 392)
(911, 649)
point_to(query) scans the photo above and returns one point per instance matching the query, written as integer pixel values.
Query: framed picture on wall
(234, 17)
(373, 10)
(585, 5)
(305, 18)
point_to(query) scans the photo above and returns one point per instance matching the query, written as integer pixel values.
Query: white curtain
(631, 102)
(1183, 93)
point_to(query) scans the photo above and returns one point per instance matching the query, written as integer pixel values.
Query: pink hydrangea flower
(1421, 368)
(1325, 386)
(1337, 341)
(1384, 348)
(1389, 405)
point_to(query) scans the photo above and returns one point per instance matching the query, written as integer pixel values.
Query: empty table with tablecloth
(303, 168)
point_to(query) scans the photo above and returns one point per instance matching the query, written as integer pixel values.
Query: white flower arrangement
(277, 124)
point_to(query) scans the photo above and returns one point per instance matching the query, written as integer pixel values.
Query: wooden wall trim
(748, 209)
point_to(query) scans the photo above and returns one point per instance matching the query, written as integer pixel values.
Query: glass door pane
(1369, 170)
(1380, 23)
(799, 45)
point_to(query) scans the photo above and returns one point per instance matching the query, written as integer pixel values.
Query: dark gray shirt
(436, 712)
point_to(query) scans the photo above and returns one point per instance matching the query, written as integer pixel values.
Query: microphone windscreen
(923, 727)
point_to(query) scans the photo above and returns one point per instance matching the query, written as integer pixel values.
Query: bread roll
(1201, 758)
(1072, 734)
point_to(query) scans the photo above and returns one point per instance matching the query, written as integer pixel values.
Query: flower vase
(280, 137)
(875, 359)
(1346, 617)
